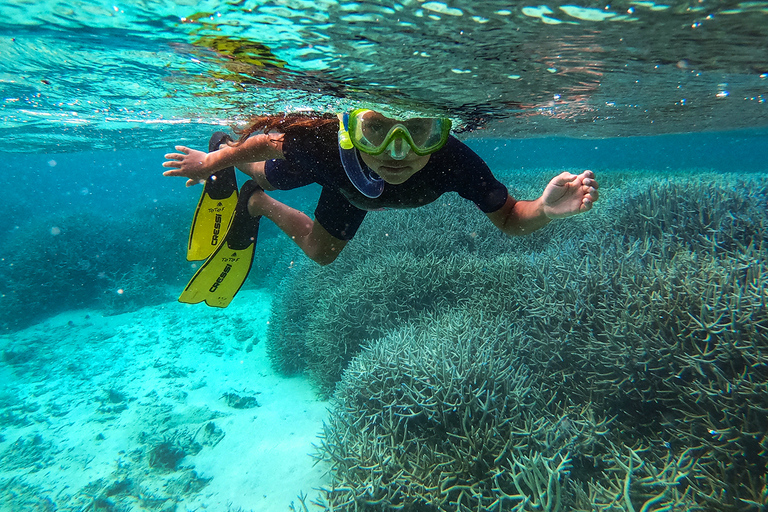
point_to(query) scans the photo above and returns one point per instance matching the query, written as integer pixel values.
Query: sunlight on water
(611, 361)
(592, 69)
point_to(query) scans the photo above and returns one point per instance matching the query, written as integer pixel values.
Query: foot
(218, 140)
(259, 203)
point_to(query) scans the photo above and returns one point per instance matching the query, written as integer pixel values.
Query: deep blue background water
(736, 151)
(123, 181)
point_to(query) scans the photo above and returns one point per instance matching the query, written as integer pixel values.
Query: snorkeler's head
(392, 149)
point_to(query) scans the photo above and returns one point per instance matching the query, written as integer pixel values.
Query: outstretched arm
(566, 195)
(197, 166)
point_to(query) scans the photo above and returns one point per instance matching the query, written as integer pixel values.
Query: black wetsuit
(312, 156)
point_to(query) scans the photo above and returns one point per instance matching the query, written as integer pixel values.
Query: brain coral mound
(638, 333)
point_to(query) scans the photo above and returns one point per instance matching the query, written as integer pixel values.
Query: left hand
(188, 163)
(569, 194)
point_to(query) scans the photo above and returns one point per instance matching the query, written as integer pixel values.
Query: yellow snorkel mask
(373, 133)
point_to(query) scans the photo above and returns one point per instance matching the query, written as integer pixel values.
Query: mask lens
(425, 132)
(373, 133)
(371, 129)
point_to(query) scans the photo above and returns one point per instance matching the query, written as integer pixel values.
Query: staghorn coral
(441, 417)
(650, 329)
(705, 213)
(634, 482)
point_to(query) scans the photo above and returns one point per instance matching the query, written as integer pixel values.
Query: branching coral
(634, 482)
(650, 329)
(441, 417)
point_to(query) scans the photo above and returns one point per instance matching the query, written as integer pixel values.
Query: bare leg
(309, 235)
(256, 171)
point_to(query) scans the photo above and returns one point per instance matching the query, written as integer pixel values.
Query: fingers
(176, 169)
(174, 156)
(175, 161)
(590, 186)
(588, 178)
(563, 179)
(177, 156)
(179, 173)
(589, 189)
(590, 196)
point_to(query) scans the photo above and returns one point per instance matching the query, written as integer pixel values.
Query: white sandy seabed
(97, 411)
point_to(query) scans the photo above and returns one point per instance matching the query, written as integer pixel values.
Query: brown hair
(285, 123)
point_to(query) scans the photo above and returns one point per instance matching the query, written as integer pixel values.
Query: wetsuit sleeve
(475, 181)
(337, 215)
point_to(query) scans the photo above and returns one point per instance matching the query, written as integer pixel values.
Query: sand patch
(172, 407)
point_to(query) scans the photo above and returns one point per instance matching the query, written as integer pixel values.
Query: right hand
(189, 163)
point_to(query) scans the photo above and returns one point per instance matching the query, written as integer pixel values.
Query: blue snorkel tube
(365, 180)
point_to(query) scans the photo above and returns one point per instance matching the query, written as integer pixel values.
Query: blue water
(740, 151)
(118, 181)
(641, 326)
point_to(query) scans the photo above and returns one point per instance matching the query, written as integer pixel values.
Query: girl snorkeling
(364, 161)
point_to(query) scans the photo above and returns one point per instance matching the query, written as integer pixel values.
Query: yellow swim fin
(219, 279)
(215, 208)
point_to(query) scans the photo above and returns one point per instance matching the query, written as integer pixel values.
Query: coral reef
(166, 453)
(33, 453)
(237, 401)
(442, 417)
(386, 278)
(640, 331)
(86, 260)
(116, 264)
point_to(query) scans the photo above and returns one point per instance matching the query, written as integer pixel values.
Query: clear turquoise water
(93, 94)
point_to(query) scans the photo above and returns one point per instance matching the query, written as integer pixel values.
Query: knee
(325, 258)
(324, 255)
(320, 246)
(257, 203)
